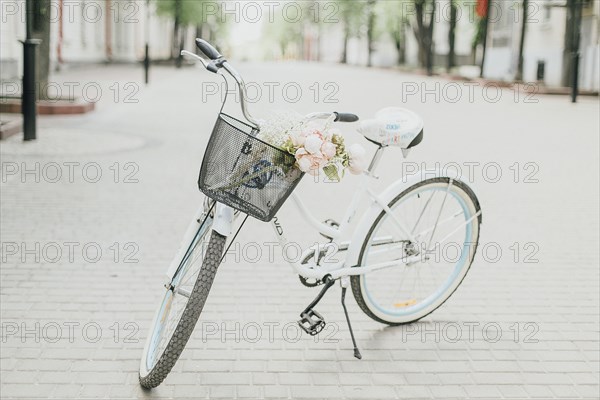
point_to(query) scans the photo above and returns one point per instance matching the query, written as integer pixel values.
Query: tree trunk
(420, 33)
(519, 75)
(424, 34)
(370, 30)
(180, 46)
(176, 29)
(41, 30)
(346, 40)
(452, 36)
(401, 42)
(569, 44)
(486, 23)
(429, 43)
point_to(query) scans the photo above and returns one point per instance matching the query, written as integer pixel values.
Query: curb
(9, 128)
(45, 107)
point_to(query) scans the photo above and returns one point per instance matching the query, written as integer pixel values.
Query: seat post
(375, 160)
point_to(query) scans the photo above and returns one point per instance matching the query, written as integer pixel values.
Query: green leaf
(289, 147)
(331, 172)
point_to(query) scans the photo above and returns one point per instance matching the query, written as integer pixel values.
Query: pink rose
(310, 163)
(329, 150)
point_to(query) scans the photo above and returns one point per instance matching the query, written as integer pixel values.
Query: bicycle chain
(307, 283)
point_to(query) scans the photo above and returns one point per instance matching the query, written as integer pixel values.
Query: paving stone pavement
(83, 254)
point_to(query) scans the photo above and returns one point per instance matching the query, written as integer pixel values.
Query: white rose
(358, 159)
(304, 164)
(313, 144)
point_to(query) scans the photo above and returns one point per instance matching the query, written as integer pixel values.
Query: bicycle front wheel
(443, 216)
(181, 305)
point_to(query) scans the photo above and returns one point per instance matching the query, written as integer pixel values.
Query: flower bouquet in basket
(293, 146)
(315, 145)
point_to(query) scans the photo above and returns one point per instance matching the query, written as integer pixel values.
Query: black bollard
(147, 65)
(29, 95)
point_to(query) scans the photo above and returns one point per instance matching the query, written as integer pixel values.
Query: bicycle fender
(387, 196)
(223, 222)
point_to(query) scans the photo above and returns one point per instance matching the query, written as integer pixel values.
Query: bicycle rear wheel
(181, 305)
(444, 216)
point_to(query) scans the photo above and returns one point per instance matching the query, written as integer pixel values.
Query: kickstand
(356, 352)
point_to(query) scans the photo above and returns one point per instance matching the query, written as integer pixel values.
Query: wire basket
(245, 173)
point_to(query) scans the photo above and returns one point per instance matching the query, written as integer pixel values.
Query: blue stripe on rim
(430, 299)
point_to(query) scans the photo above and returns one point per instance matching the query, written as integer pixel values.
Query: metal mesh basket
(245, 173)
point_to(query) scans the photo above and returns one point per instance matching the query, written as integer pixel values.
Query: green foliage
(391, 17)
(331, 172)
(191, 12)
(282, 33)
(353, 14)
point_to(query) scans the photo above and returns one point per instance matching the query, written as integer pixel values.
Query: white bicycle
(396, 259)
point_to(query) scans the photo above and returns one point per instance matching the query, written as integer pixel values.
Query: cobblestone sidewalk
(92, 212)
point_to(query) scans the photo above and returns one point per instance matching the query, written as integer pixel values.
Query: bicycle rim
(443, 216)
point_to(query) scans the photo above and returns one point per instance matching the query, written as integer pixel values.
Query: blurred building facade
(96, 31)
(546, 53)
(88, 31)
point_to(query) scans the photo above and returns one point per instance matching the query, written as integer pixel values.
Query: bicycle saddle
(393, 126)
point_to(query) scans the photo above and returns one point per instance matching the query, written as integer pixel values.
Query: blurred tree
(423, 30)
(371, 18)
(352, 13)
(482, 9)
(284, 34)
(308, 22)
(452, 34)
(519, 74)
(197, 13)
(392, 20)
(314, 20)
(298, 36)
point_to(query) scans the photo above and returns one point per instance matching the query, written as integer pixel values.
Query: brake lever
(195, 56)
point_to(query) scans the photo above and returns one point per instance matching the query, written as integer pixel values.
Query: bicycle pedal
(311, 322)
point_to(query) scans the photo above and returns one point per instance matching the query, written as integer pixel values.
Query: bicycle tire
(189, 317)
(357, 289)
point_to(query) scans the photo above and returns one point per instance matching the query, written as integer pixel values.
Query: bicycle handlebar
(207, 49)
(217, 61)
(345, 117)
(337, 117)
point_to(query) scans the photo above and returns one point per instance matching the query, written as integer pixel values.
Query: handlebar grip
(345, 117)
(208, 50)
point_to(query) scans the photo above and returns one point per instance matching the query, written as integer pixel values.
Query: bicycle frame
(224, 219)
(347, 266)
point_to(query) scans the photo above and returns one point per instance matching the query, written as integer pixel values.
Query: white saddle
(393, 126)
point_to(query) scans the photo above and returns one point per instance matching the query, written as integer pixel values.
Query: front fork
(224, 220)
(221, 220)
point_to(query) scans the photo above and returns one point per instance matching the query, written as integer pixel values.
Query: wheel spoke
(439, 214)
(462, 225)
(422, 212)
(405, 293)
(440, 223)
(183, 292)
